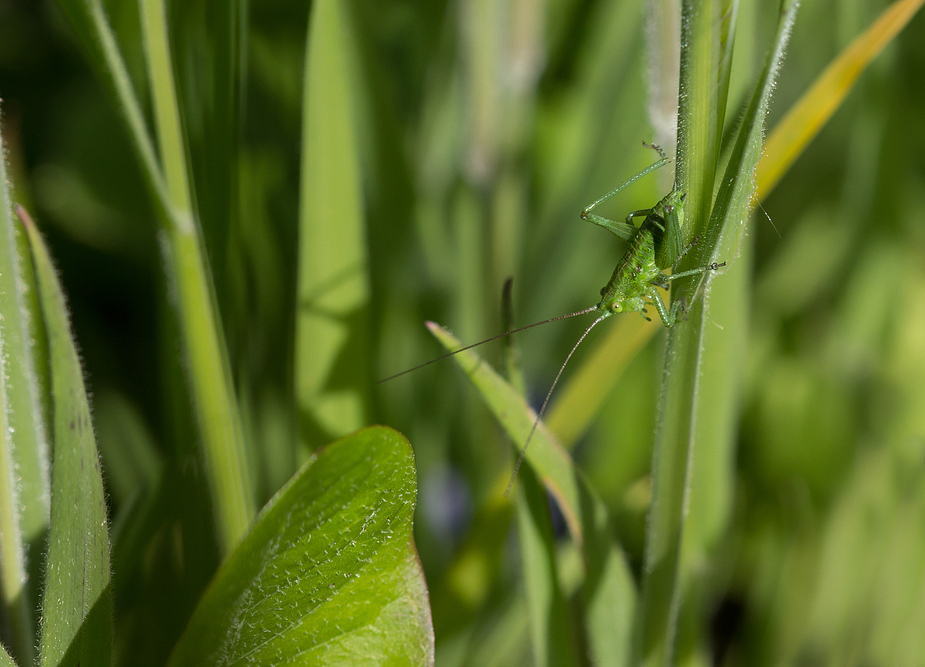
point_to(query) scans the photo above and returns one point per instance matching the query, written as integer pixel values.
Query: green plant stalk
(697, 149)
(698, 135)
(672, 546)
(206, 358)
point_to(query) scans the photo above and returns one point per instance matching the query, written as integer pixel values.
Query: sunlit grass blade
(329, 574)
(24, 464)
(206, 357)
(689, 455)
(333, 285)
(804, 120)
(609, 594)
(76, 607)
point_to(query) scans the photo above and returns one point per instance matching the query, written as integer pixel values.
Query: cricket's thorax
(639, 271)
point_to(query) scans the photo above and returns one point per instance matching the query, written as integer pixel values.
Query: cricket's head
(671, 208)
(621, 303)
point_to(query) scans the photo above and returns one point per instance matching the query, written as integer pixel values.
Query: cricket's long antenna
(523, 452)
(776, 231)
(488, 340)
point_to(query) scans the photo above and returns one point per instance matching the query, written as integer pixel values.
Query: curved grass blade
(609, 594)
(329, 574)
(692, 443)
(210, 374)
(76, 609)
(804, 120)
(333, 283)
(206, 357)
(24, 466)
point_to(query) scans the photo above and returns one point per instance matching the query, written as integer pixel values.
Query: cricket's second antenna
(539, 416)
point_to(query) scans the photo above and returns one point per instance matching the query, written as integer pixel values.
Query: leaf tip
(24, 216)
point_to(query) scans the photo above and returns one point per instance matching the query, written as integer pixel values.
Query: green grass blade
(24, 473)
(88, 18)
(333, 285)
(207, 40)
(546, 606)
(329, 574)
(728, 13)
(690, 428)
(210, 375)
(609, 594)
(552, 463)
(76, 609)
(206, 357)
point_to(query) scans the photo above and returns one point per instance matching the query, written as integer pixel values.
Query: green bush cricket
(654, 247)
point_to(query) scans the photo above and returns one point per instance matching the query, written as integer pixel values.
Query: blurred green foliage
(483, 129)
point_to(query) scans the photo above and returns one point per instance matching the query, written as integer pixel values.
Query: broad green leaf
(609, 594)
(24, 483)
(328, 574)
(210, 372)
(5, 659)
(76, 609)
(333, 283)
(692, 461)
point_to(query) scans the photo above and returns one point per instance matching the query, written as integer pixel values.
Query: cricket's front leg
(668, 317)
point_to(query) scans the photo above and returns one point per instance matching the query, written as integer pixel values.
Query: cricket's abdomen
(633, 276)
